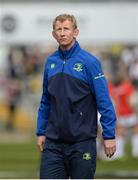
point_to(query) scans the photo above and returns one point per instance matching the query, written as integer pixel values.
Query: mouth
(63, 39)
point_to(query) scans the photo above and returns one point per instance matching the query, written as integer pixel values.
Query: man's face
(65, 33)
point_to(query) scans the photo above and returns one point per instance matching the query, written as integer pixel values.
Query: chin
(64, 43)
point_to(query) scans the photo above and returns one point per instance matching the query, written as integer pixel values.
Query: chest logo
(52, 66)
(78, 67)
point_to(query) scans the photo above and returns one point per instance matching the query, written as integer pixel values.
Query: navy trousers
(62, 161)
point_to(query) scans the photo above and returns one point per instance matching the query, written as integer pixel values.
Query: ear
(54, 35)
(76, 32)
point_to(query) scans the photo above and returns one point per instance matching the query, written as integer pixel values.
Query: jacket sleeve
(105, 107)
(44, 107)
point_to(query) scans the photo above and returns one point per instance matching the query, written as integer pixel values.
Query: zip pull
(64, 62)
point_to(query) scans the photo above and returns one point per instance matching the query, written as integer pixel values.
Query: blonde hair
(63, 17)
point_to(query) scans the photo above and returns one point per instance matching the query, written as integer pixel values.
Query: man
(122, 91)
(74, 88)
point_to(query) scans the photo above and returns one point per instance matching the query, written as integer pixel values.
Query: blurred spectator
(15, 72)
(122, 90)
(15, 63)
(13, 97)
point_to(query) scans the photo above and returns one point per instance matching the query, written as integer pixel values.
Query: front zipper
(64, 62)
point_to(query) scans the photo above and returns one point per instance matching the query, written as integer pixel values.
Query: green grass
(19, 160)
(127, 167)
(22, 161)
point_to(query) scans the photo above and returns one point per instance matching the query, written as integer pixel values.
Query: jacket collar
(70, 52)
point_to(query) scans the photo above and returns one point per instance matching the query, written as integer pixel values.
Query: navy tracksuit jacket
(74, 88)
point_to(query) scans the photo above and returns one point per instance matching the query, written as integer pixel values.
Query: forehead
(65, 23)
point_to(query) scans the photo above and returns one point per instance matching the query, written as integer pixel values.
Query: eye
(66, 28)
(58, 29)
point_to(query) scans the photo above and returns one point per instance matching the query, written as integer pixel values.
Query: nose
(62, 32)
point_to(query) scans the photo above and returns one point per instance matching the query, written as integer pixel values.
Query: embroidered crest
(87, 156)
(78, 67)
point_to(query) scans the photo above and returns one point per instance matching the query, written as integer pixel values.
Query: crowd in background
(120, 64)
(21, 69)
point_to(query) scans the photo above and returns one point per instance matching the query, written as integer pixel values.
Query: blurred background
(109, 30)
